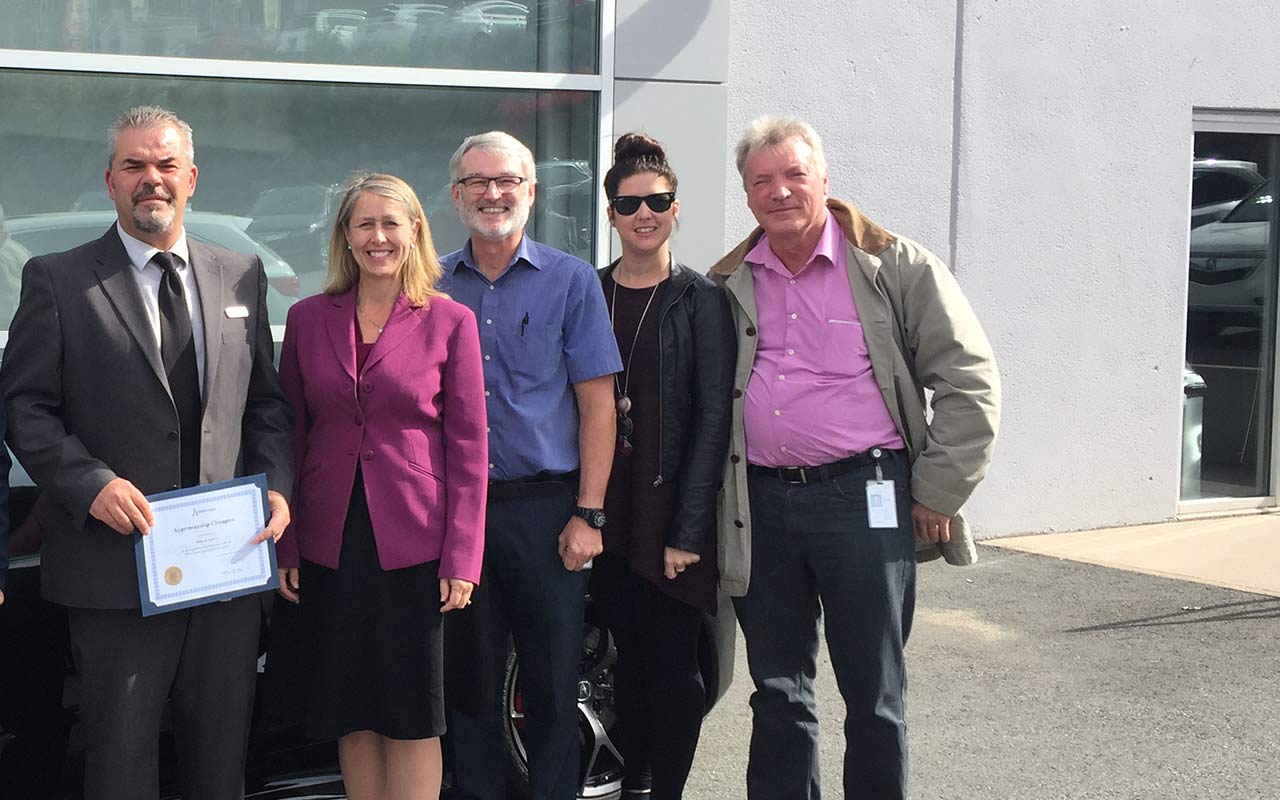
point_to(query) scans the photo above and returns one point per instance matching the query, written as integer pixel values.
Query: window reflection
(534, 35)
(271, 157)
(1229, 379)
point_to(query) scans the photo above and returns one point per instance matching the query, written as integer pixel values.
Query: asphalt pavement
(1034, 678)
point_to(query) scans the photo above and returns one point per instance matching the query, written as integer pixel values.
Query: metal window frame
(600, 84)
(1260, 122)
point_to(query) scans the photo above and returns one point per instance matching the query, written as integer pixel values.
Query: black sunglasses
(628, 204)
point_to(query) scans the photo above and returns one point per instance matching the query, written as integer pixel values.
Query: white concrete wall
(1045, 149)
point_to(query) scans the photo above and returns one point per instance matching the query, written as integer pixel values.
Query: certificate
(200, 548)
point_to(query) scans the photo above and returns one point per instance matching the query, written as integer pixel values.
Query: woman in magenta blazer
(386, 382)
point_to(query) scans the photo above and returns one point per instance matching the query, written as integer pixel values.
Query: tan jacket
(921, 333)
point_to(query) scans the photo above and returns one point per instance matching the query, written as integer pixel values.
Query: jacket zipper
(662, 389)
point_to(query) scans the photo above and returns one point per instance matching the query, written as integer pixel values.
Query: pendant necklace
(624, 401)
(365, 316)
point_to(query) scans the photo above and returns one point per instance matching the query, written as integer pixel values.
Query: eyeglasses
(478, 184)
(628, 204)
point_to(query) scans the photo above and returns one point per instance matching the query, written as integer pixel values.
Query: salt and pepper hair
(496, 142)
(147, 118)
(773, 131)
(421, 270)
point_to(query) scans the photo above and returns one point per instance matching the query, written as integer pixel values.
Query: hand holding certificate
(207, 544)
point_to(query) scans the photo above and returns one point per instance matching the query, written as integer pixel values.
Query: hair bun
(638, 146)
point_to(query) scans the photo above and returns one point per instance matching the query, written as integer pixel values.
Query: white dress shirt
(149, 276)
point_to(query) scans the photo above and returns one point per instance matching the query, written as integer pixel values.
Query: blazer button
(359, 420)
(368, 455)
(366, 387)
(734, 458)
(751, 331)
(173, 436)
(737, 523)
(737, 393)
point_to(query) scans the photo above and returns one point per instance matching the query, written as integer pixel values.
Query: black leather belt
(532, 486)
(823, 472)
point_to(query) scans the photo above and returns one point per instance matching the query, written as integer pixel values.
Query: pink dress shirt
(812, 398)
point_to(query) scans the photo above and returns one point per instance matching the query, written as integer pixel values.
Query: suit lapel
(208, 275)
(342, 330)
(402, 322)
(115, 275)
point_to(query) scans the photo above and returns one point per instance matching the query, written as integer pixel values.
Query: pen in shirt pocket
(524, 323)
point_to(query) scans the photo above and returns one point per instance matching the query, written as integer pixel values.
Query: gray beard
(516, 222)
(148, 223)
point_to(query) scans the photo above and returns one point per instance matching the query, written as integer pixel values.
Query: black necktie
(178, 352)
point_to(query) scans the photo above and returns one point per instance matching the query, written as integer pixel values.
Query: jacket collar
(115, 270)
(859, 232)
(680, 274)
(402, 322)
(681, 278)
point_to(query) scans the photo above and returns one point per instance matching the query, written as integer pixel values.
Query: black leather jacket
(697, 348)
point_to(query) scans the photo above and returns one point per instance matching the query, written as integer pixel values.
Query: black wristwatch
(594, 516)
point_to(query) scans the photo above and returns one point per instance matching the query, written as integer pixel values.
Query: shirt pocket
(844, 348)
(534, 355)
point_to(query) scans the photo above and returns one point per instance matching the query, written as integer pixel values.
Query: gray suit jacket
(88, 401)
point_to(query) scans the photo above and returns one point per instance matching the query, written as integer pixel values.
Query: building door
(1229, 379)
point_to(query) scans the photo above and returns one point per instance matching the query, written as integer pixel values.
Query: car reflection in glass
(52, 233)
(1229, 277)
(295, 221)
(1218, 185)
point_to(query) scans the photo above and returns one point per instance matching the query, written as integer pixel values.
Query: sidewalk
(1241, 553)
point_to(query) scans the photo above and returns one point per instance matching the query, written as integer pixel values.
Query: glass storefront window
(1229, 379)
(559, 36)
(271, 156)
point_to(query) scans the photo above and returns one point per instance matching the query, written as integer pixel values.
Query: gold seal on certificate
(201, 547)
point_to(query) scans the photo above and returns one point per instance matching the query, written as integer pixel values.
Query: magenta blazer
(413, 419)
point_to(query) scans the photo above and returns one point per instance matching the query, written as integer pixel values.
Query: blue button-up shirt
(544, 326)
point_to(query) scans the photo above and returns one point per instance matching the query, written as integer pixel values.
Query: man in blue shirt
(549, 359)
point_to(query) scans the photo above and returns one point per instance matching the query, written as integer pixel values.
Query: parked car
(52, 233)
(1217, 185)
(327, 32)
(390, 33)
(1231, 265)
(295, 222)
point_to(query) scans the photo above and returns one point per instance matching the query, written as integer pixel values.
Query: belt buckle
(801, 471)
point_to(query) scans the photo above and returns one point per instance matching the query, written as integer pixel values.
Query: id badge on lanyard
(882, 501)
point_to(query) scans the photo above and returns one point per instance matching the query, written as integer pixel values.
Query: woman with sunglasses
(658, 575)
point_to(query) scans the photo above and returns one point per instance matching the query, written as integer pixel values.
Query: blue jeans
(813, 552)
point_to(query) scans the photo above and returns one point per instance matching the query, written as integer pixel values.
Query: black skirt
(373, 640)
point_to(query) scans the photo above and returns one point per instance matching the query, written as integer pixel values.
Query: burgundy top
(363, 348)
(640, 513)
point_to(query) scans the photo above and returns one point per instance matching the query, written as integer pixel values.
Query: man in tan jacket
(836, 477)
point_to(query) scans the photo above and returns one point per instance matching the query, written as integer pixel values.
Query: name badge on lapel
(237, 312)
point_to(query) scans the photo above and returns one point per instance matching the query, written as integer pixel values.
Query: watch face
(597, 519)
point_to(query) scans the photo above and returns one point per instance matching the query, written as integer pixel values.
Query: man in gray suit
(138, 363)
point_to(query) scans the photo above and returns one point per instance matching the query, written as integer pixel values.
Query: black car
(41, 749)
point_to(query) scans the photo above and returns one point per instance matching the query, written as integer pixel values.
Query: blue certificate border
(149, 608)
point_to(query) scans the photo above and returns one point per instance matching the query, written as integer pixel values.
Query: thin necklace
(624, 402)
(365, 316)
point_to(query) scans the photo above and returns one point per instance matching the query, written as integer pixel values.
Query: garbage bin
(1193, 391)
